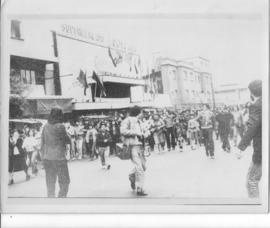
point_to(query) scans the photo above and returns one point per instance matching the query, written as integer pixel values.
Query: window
(33, 77)
(16, 29)
(23, 77)
(29, 77)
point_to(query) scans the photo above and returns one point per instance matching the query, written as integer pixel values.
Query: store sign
(79, 33)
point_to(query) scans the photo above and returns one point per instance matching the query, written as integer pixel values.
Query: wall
(74, 55)
(170, 79)
(191, 88)
(232, 97)
(185, 83)
(36, 41)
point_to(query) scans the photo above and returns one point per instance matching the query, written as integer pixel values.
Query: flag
(99, 83)
(82, 79)
(115, 56)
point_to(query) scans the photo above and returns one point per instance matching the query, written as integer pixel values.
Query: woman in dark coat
(17, 158)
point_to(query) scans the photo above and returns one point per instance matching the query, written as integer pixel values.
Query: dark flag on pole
(82, 79)
(100, 84)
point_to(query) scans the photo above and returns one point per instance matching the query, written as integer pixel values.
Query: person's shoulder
(46, 125)
(257, 104)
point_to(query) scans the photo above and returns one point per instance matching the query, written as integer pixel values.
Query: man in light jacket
(131, 131)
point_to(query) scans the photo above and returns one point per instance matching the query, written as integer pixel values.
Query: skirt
(17, 163)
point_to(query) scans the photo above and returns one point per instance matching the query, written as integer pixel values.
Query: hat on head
(255, 88)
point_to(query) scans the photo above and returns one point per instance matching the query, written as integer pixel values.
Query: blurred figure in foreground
(254, 132)
(54, 140)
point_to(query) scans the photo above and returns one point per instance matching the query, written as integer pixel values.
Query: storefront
(117, 66)
(56, 65)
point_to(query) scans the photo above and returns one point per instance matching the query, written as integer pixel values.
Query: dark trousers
(225, 141)
(113, 145)
(170, 138)
(89, 147)
(57, 169)
(200, 137)
(217, 134)
(151, 142)
(104, 153)
(208, 141)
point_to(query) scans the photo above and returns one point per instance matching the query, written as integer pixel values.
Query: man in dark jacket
(225, 120)
(103, 143)
(254, 132)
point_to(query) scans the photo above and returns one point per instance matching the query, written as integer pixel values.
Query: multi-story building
(232, 94)
(187, 82)
(56, 61)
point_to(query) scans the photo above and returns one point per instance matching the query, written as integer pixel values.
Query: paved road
(188, 174)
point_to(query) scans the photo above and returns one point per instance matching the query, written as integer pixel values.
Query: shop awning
(43, 105)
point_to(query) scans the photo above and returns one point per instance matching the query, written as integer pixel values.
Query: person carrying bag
(132, 146)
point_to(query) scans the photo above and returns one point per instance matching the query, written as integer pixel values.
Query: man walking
(103, 145)
(193, 128)
(169, 132)
(91, 136)
(254, 132)
(225, 120)
(131, 132)
(206, 118)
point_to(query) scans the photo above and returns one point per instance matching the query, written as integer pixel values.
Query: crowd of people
(145, 131)
(162, 130)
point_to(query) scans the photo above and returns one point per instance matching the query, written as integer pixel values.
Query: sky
(231, 34)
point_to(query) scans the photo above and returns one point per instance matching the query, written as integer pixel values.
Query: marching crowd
(160, 129)
(144, 131)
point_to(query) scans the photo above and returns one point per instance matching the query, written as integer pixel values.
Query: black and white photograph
(158, 107)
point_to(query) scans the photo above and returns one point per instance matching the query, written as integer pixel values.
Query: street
(188, 174)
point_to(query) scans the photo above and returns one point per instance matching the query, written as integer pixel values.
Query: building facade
(232, 94)
(187, 82)
(56, 62)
